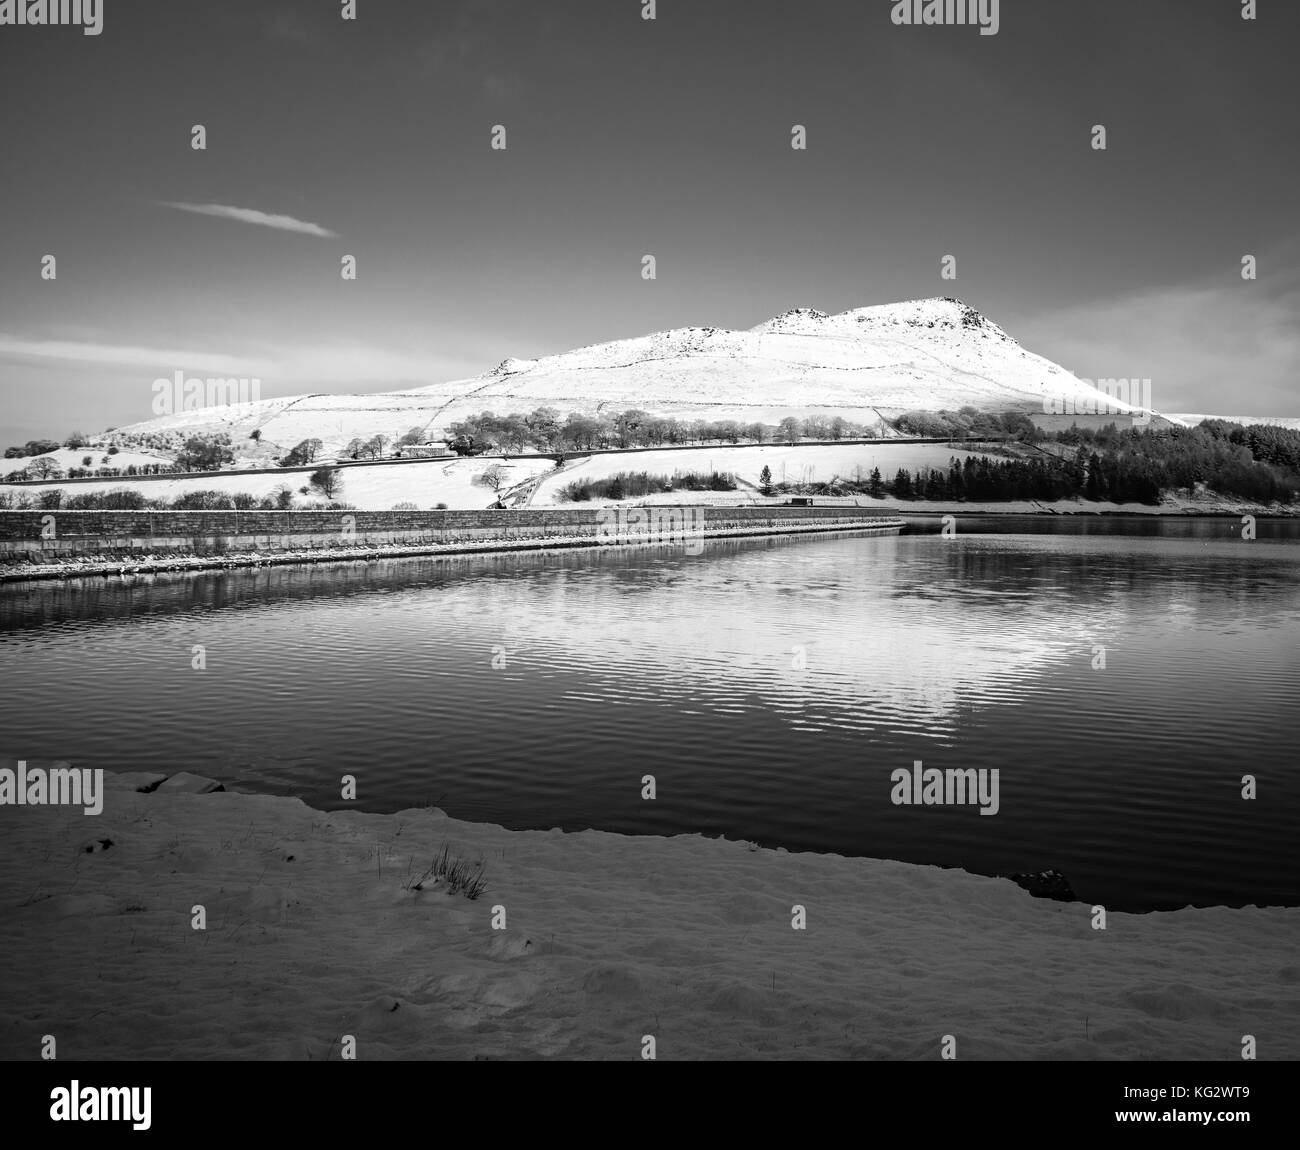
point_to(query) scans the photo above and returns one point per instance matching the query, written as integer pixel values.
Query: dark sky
(628, 137)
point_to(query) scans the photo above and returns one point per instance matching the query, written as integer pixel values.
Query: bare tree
(44, 467)
(494, 477)
(326, 480)
(305, 452)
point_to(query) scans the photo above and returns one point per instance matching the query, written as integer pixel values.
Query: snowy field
(787, 464)
(378, 487)
(67, 457)
(373, 487)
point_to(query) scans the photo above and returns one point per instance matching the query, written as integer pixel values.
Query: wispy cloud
(286, 368)
(253, 216)
(119, 355)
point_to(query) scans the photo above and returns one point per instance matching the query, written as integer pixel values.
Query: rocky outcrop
(1046, 884)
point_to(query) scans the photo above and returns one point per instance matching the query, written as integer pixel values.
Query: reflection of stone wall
(128, 533)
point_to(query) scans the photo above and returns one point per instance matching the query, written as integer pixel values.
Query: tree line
(543, 430)
(1260, 463)
(631, 484)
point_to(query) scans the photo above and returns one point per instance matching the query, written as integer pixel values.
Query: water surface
(770, 686)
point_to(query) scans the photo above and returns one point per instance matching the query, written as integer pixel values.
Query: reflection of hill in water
(890, 629)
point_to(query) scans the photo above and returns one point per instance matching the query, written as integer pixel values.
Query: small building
(424, 451)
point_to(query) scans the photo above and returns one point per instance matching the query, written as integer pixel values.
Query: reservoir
(771, 686)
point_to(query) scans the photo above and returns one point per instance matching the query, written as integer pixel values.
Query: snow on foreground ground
(312, 935)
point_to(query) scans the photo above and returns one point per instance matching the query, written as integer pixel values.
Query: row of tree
(323, 482)
(1259, 463)
(544, 430)
(631, 484)
(968, 423)
(375, 446)
(35, 447)
(1121, 480)
(1136, 469)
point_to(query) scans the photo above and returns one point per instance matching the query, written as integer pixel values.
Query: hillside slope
(866, 365)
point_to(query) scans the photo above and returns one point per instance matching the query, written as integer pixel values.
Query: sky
(626, 137)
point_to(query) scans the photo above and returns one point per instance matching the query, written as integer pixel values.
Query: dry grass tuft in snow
(458, 875)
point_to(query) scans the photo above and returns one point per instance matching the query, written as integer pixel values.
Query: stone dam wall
(44, 538)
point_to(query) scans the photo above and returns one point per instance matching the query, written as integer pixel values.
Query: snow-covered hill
(866, 365)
